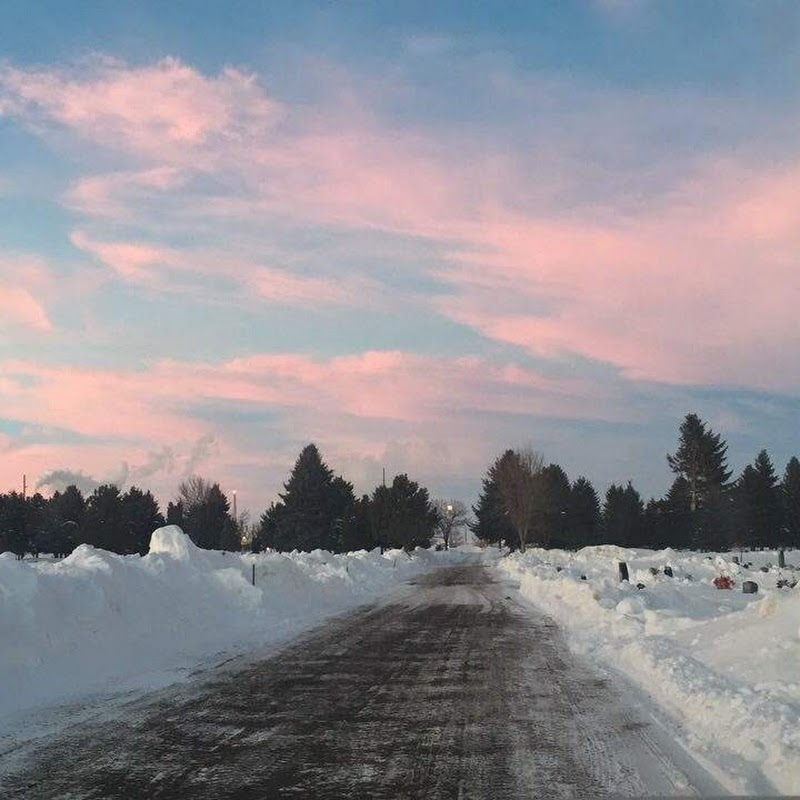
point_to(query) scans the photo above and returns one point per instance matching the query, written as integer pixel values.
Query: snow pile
(97, 620)
(724, 664)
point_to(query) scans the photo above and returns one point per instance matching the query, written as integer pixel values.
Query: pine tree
(583, 518)
(208, 521)
(15, 523)
(623, 516)
(403, 515)
(491, 523)
(66, 512)
(759, 504)
(700, 460)
(140, 517)
(790, 495)
(102, 523)
(557, 497)
(314, 509)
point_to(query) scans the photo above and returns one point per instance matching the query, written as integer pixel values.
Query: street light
(236, 518)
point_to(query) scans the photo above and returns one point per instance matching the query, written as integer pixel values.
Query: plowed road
(448, 689)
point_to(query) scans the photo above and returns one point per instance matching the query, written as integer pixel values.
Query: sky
(413, 233)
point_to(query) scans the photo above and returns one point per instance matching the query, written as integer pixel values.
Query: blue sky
(414, 233)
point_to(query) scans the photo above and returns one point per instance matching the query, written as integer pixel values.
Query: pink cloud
(111, 195)
(131, 260)
(373, 406)
(160, 266)
(19, 307)
(695, 285)
(155, 111)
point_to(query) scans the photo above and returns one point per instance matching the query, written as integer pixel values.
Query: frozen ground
(102, 624)
(723, 665)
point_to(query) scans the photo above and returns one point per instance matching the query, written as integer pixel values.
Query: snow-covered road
(450, 687)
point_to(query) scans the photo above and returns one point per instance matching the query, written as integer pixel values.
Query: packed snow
(97, 622)
(723, 665)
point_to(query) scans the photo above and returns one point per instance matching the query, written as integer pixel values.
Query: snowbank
(723, 664)
(97, 620)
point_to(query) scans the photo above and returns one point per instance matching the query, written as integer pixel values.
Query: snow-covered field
(97, 622)
(723, 665)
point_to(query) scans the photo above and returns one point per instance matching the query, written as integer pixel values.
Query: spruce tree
(759, 504)
(623, 516)
(403, 514)
(790, 496)
(557, 497)
(140, 517)
(700, 460)
(66, 513)
(102, 524)
(583, 518)
(491, 523)
(314, 509)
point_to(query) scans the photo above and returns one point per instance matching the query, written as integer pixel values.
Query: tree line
(523, 502)
(317, 509)
(121, 522)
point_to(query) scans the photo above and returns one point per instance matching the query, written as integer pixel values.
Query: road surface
(449, 689)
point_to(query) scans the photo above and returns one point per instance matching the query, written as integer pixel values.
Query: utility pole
(24, 486)
(384, 477)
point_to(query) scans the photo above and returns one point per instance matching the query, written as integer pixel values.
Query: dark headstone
(654, 570)
(668, 571)
(765, 569)
(736, 559)
(781, 559)
(623, 571)
(750, 587)
(640, 586)
(583, 577)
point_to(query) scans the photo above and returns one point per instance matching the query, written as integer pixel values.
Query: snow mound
(724, 665)
(172, 541)
(96, 621)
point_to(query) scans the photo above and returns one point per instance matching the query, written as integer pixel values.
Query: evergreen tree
(102, 521)
(208, 522)
(700, 460)
(314, 511)
(140, 517)
(491, 522)
(583, 517)
(403, 515)
(790, 496)
(16, 523)
(623, 516)
(677, 525)
(357, 533)
(759, 504)
(557, 498)
(66, 511)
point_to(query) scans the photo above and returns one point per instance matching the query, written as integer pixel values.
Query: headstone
(668, 571)
(736, 559)
(640, 586)
(654, 570)
(623, 571)
(765, 569)
(781, 559)
(583, 577)
(750, 587)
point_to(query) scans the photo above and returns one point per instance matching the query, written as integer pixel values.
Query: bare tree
(452, 520)
(519, 480)
(193, 492)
